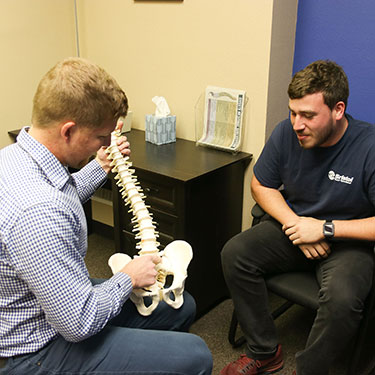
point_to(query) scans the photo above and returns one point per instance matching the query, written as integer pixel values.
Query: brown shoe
(248, 366)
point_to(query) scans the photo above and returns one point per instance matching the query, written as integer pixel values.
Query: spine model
(176, 256)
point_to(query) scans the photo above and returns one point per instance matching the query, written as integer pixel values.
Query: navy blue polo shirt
(336, 182)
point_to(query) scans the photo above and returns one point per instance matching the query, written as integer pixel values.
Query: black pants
(345, 278)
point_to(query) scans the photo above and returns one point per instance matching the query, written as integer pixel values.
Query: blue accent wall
(342, 31)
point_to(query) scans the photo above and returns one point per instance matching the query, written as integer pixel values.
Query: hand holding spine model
(176, 256)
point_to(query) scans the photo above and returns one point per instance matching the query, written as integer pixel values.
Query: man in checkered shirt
(53, 318)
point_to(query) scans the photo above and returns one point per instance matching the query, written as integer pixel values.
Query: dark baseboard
(103, 229)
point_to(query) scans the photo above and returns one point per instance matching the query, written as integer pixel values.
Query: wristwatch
(328, 229)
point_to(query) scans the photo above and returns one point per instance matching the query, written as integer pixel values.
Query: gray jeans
(345, 278)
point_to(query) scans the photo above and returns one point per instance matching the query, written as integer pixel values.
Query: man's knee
(239, 255)
(228, 253)
(342, 301)
(231, 252)
(201, 357)
(245, 245)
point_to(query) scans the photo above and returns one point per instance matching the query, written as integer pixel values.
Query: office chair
(302, 288)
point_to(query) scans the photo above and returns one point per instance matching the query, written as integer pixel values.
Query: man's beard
(318, 139)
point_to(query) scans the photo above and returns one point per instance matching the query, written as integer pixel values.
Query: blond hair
(80, 91)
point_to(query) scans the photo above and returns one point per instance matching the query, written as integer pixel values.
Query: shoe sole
(272, 370)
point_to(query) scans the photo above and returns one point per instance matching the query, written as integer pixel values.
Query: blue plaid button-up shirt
(45, 288)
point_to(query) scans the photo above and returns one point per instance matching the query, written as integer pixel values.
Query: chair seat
(300, 287)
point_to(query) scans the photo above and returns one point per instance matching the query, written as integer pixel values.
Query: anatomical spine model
(176, 256)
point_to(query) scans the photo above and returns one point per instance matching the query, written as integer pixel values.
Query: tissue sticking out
(175, 258)
(162, 108)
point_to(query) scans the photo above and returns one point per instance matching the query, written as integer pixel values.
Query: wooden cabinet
(195, 194)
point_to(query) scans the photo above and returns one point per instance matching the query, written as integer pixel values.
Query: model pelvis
(175, 258)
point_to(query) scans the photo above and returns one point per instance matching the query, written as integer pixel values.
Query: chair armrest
(257, 213)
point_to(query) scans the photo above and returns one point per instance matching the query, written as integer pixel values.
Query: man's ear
(67, 129)
(340, 110)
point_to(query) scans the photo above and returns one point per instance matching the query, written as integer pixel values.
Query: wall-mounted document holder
(219, 115)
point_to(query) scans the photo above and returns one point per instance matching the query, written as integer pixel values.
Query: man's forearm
(272, 201)
(359, 229)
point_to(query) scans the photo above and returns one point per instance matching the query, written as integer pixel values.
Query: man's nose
(298, 123)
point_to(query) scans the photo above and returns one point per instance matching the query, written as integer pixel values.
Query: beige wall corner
(284, 22)
(34, 35)
(284, 19)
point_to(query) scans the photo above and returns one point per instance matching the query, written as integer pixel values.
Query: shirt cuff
(123, 283)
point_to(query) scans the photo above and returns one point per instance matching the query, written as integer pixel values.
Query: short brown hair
(78, 90)
(323, 76)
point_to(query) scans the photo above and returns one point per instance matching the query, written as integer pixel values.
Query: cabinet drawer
(160, 193)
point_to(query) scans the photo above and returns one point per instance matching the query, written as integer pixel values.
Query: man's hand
(102, 156)
(142, 270)
(318, 250)
(304, 230)
(307, 234)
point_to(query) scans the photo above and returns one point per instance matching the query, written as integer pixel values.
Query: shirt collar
(55, 171)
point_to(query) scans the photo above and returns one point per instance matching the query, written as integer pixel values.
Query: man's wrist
(105, 166)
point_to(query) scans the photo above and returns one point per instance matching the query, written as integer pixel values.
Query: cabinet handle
(151, 190)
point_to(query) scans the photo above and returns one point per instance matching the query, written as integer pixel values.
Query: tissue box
(160, 130)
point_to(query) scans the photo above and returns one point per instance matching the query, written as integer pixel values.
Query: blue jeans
(129, 344)
(345, 278)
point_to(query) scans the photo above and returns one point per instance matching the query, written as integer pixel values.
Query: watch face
(328, 229)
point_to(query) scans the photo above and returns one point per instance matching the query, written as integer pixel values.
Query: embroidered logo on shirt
(333, 176)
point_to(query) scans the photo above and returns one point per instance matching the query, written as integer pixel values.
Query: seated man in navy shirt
(321, 219)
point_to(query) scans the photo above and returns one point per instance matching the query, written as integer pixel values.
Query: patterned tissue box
(160, 130)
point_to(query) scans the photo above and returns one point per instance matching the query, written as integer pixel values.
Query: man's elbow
(75, 332)
(254, 187)
(75, 336)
